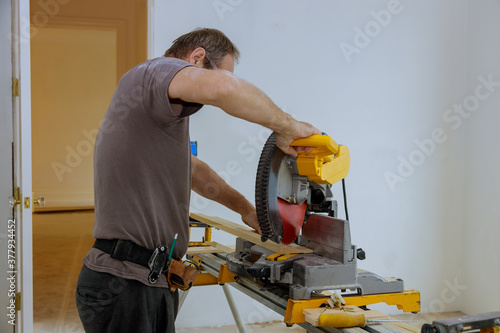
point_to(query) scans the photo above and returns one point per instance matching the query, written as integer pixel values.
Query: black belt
(155, 260)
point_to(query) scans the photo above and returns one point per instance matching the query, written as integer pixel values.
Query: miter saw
(294, 203)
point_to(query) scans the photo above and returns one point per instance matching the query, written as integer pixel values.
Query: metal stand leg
(234, 310)
(182, 299)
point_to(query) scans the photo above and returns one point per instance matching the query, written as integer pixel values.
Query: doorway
(77, 57)
(73, 78)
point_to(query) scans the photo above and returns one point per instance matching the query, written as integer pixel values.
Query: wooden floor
(61, 240)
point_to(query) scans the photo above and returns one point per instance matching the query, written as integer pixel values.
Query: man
(142, 172)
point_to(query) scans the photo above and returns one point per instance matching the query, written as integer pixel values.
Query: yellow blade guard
(326, 163)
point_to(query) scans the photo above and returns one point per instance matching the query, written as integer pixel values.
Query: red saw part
(293, 217)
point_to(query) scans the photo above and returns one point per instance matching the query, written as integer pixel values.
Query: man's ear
(197, 57)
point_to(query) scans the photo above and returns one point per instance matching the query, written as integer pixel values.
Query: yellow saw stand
(214, 271)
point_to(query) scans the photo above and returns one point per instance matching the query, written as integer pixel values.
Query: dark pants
(107, 303)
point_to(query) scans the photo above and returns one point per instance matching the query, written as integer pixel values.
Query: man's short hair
(215, 43)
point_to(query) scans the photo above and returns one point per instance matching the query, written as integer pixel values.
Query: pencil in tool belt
(173, 245)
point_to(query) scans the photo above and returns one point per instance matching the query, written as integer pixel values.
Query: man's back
(142, 170)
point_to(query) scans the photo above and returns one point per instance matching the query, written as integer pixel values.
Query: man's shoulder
(157, 63)
(156, 68)
(165, 61)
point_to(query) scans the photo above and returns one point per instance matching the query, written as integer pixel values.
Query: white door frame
(7, 225)
(22, 160)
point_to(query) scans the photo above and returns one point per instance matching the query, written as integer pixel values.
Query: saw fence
(302, 312)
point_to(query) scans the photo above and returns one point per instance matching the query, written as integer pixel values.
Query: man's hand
(298, 130)
(250, 219)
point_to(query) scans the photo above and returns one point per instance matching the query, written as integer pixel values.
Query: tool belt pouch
(180, 275)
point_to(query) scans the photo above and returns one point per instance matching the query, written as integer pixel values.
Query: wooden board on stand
(212, 247)
(248, 234)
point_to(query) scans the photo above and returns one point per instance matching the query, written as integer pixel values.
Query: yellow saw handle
(326, 163)
(342, 320)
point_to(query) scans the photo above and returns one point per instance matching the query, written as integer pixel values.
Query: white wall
(481, 245)
(385, 101)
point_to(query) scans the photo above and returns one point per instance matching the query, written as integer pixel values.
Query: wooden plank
(213, 247)
(223, 248)
(382, 328)
(418, 319)
(203, 250)
(403, 327)
(248, 234)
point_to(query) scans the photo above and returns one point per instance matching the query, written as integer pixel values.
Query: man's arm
(240, 99)
(210, 185)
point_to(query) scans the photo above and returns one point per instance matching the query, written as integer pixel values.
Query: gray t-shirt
(142, 168)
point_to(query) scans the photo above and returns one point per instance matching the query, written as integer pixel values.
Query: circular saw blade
(279, 220)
